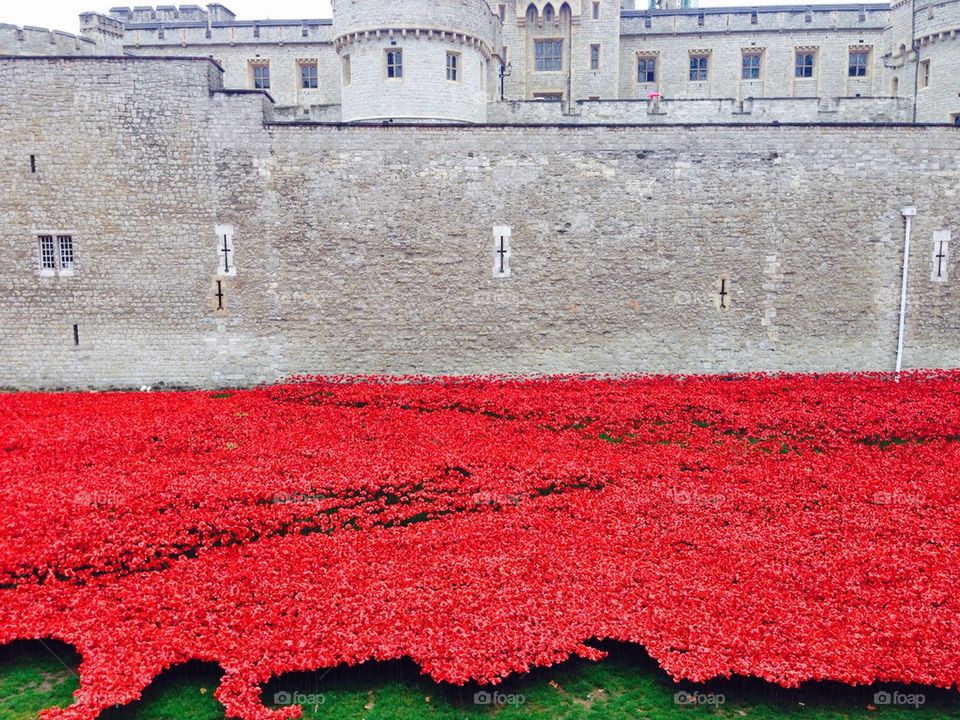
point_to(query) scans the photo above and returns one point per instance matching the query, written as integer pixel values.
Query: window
(260, 74)
(503, 13)
(596, 11)
(56, 254)
(548, 13)
(395, 64)
(549, 55)
(48, 256)
(956, 119)
(346, 70)
(859, 60)
(924, 74)
(66, 252)
(698, 68)
(805, 61)
(453, 66)
(594, 57)
(308, 76)
(647, 70)
(751, 66)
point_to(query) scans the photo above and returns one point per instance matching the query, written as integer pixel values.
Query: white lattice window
(395, 64)
(56, 254)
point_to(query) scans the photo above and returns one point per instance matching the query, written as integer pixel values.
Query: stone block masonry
(368, 249)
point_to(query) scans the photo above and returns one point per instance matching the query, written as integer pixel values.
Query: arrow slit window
(225, 262)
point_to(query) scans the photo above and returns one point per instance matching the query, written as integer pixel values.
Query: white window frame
(393, 63)
(454, 66)
(308, 65)
(799, 67)
(756, 58)
(264, 80)
(702, 69)
(649, 58)
(857, 52)
(57, 253)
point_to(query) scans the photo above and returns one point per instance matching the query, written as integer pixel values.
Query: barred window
(594, 57)
(308, 76)
(261, 76)
(698, 68)
(66, 251)
(56, 254)
(805, 62)
(453, 66)
(549, 55)
(48, 257)
(751, 66)
(395, 64)
(858, 63)
(647, 70)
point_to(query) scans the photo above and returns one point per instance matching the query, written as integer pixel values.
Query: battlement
(169, 13)
(29, 40)
(775, 18)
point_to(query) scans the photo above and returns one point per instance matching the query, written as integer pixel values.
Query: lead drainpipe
(908, 212)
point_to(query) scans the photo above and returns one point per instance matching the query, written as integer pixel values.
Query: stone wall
(40, 41)
(706, 110)
(370, 249)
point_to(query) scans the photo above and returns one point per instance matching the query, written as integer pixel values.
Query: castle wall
(40, 41)
(370, 249)
(706, 110)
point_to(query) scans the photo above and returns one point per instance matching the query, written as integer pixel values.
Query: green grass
(626, 685)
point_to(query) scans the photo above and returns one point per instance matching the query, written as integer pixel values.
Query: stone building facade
(158, 226)
(458, 60)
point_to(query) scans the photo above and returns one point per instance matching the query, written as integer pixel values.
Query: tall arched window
(895, 87)
(548, 13)
(531, 14)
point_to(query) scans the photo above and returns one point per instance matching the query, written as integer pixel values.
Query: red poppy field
(790, 528)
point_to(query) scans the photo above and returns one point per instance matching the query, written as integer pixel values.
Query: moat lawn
(628, 684)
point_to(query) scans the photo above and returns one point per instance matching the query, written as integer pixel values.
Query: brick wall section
(369, 249)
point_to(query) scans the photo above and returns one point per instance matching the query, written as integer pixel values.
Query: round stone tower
(415, 60)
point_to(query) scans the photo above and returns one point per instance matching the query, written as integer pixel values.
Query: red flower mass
(789, 528)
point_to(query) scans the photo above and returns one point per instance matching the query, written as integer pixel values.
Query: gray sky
(62, 14)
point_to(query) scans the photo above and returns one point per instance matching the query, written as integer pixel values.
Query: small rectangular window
(548, 55)
(805, 64)
(503, 13)
(260, 74)
(309, 79)
(596, 11)
(395, 64)
(346, 70)
(66, 252)
(33, 163)
(699, 66)
(647, 70)
(453, 66)
(751, 66)
(48, 253)
(924, 74)
(594, 57)
(859, 61)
